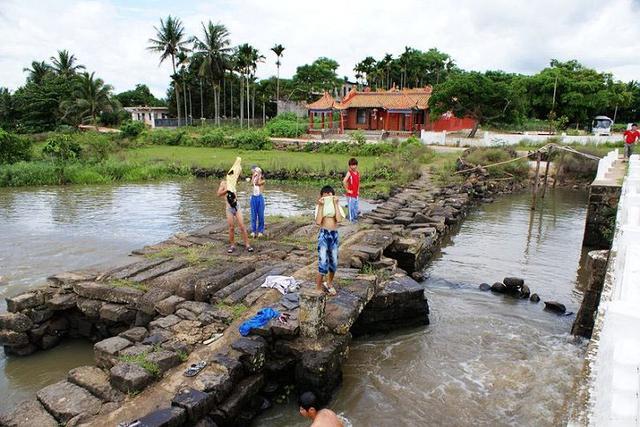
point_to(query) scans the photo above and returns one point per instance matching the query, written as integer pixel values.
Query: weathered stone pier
(181, 301)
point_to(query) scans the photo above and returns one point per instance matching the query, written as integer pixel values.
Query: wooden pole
(558, 173)
(546, 173)
(535, 182)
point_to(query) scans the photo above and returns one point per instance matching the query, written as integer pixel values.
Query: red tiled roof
(392, 99)
(326, 102)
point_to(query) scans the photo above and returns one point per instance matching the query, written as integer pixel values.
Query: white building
(148, 115)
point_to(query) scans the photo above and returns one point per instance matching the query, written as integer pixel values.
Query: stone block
(166, 417)
(29, 413)
(108, 293)
(186, 314)
(119, 313)
(215, 382)
(242, 392)
(312, 312)
(135, 350)
(148, 301)
(13, 338)
(65, 401)
(58, 325)
(49, 341)
(143, 319)
(372, 253)
(129, 377)
(62, 302)
(89, 307)
(24, 350)
(39, 315)
(24, 301)
(136, 334)
(252, 353)
(196, 307)
(16, 322)
(96, 381)
(176, 345)
(164, 359)
(196, 403)
(168, 305)
(107, 351)
(157, 337)
(229, 364)
(164, 322)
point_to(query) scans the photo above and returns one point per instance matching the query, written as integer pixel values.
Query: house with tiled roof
(395, 111)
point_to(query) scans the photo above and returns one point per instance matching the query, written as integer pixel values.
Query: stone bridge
(181, 301)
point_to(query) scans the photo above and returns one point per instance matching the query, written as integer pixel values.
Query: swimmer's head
(308, 403)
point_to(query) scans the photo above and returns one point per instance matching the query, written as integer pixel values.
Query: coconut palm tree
(37, 72)
(247, 58)
(278, 50)
(65, 63)
(90, 97)
(213, 50)
(170, 39)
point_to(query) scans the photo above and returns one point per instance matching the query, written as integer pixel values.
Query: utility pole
(555, 87)
(201, 102)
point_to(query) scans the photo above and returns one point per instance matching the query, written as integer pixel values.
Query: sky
(110, 36)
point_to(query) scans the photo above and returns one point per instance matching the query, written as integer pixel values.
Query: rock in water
(534, 298)
(555, 306)
(513, 282)
(499, 287)
(525, 292)
(418, 276)
(484, 287)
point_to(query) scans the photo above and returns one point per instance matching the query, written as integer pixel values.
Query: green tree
(486, 97)
(13, 148)
(141, 95)
(65, 64)
(316, 78)
(170, 39)
(213, 51)
(278, 50)
(37, 72)
(37, 106)
(89, 97)
(247, 58)
(7, 109)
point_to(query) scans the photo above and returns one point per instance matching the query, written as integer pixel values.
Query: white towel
(284, 284)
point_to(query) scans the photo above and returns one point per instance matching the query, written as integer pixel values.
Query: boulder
(24, 301)
(164, 359)
(186, 314)
(135, 350)
(62, 302)
(499, 288)
(65, 401)
(28, 414)
(49, 341)
(128, 377)
(195, 402)
(253, 352)
(107, 351)
(13, 339)
(555, 307)
(215, 382)
(168, 305)
(534, 298)
(136, 334)
(39, 315)
(196, 307)
(484, 287)
(119, 313)
(525, 292)
(96, 381)
(164, 322)
(89, 307)
(16, 322)
(513, 282)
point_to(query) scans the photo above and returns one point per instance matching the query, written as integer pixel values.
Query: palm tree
(90, 97)
(37, 72)
(247, 58)
(65, 63)
(170, 39)
(213, 50)
(278, 49)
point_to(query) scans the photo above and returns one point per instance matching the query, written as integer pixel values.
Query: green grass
(125, 283)
(236, 310)
(141, 360)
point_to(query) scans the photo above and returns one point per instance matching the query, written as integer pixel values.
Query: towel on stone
(284, 284)
(261, 318)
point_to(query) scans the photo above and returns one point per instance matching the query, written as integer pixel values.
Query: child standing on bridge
(630, 138)
(257, 202)
(228, 190)
(351, 184)
(328, 214)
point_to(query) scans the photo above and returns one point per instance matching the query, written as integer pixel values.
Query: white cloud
(520, 36)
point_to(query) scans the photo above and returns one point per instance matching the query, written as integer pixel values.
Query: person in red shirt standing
(351, 184)
(630, 138)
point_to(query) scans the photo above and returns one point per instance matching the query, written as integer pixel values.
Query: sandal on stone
(330, 289)
(194, 369)
(249, 249)
(231, 249)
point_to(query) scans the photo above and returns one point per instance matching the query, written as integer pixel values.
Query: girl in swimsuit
(227, 189)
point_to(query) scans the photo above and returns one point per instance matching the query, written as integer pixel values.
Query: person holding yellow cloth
(227, 189)
(328, 214)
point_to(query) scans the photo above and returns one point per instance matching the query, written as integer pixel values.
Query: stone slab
(160, 270)
(17, 322)
(65, 401)
(30, 413)
(129, 377)
(168, 305)
(96, 381)
(166, 417)
(24, 301)
(104, 292)
(195, 402)
(106, 351)
(62, 302)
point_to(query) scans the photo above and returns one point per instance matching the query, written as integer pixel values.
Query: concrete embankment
(182, 300)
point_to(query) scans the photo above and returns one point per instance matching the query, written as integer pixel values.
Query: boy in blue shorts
(328, 214)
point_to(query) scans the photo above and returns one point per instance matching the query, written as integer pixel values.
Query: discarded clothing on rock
(290, 301)
(261, 318)
(284, 284)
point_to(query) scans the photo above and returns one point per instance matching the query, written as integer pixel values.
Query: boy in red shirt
(351, 184)
(630, 138)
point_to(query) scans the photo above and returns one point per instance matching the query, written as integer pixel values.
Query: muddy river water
(484, 360)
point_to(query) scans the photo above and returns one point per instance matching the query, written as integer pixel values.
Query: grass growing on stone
(142, 361)
(183, 356)
(126, 283)
(381, 274)
(194, 255)
(236, 310)
(169, 252)
(307, 243)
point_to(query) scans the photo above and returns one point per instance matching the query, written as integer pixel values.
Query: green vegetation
(236, 310)
(131, 129)
(125, 283)
(287, 125)
(14, 148)
(142, 361)
(489, 156)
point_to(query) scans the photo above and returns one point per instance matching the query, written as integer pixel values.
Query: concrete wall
(488, 139)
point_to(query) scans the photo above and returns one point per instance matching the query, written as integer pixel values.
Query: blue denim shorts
(327, 251)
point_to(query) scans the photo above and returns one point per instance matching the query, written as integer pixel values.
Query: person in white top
(257, 202)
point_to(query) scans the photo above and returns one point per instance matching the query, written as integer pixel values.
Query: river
(485, 359)
(47, 230)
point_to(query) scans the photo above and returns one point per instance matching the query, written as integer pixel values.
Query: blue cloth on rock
(260, 319)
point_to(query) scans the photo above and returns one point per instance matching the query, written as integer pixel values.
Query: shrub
(14, 148)
(357, 137)
(286, 125)
(168, 137)
(251, 140)
(62, 147)
(96, 147)
(131, 129)
(212, 138)
(489, 156)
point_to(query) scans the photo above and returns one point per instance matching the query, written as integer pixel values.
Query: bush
(357, 137)
(62, 147)
(488, 156)
(212, 138)
(96, 147)
(286, 125)
(251, 140)
(131, 129)
(169, 137)
(14, 148)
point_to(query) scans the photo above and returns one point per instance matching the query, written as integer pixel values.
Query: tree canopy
(315, 78)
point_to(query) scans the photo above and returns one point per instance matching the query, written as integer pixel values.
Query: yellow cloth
(329, 209)
(233, 175)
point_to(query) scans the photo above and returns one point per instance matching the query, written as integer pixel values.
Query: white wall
(489, 139)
